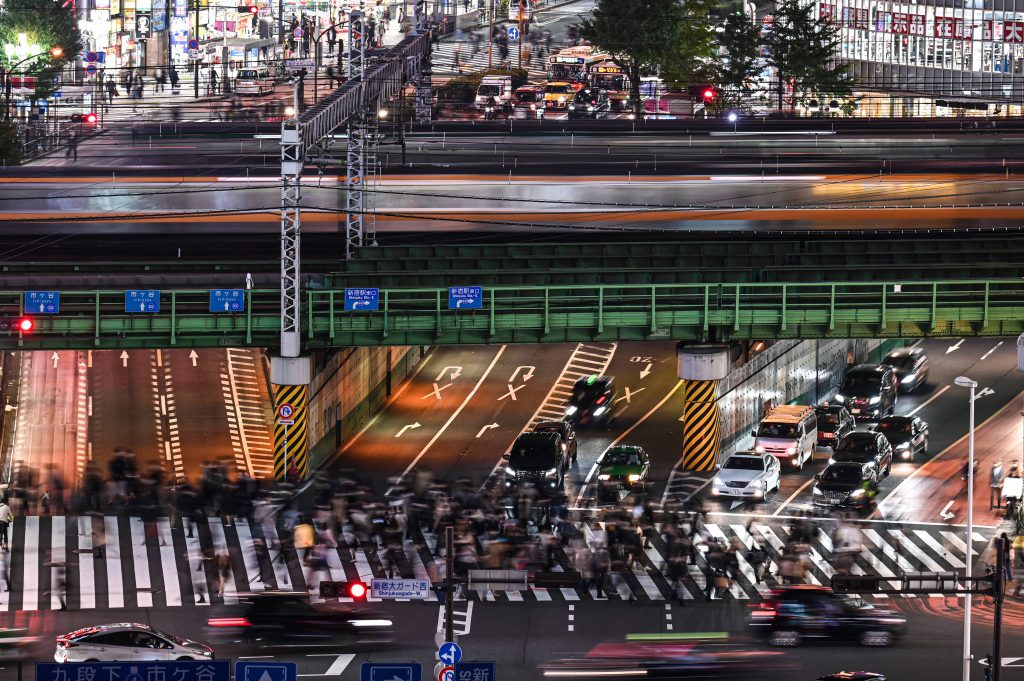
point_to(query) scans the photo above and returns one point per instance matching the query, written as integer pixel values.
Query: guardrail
(531, 314)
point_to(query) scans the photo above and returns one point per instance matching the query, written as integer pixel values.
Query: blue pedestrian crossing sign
(449, 653)
(465, 297)
(475, 671)
(42, 302)
(266, 671)
(373, 671)
(227, 300)
(513, 33)
(362, 299)
(202, 670)
(147, 300)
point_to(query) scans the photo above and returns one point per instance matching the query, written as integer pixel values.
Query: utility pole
(522, 10)
(998, 593)
(449, 583)
(490, 36)
(196, 37)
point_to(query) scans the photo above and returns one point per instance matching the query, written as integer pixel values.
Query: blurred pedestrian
(6, 514)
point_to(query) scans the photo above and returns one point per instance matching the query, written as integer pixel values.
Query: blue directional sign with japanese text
(475, 671)
(147, 300)
(202, 670)
(266, 671)
(407, 671)
(362, 299)
(465, 297)
(227, 300)
(42, 302)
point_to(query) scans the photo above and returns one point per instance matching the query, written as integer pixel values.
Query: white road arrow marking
(1007, 662)
(512, 392)
(945, 512)
(646, 372)
(55, 357)
(455, 373)
(486, 428)
(951, 348)
(984, 391)
(124, 358)
(985, 356)
(408, 427)
(194, 356)
(436, 392)
(628, 395)
(527, 375)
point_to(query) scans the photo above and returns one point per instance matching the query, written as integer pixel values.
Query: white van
(254, 81)
(499, 87)
(789, 433)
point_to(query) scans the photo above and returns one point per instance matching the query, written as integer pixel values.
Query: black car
(866, 447)
(792, 614)
(911, 365)
(537, 458)
(591, 401)
(834, 423)
(869, 391)
(277, 618)
(845, 486)
(589, 103)
(564, 429)
(908, 436)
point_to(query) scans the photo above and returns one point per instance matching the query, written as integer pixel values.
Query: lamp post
(965, 382)
(23, 46)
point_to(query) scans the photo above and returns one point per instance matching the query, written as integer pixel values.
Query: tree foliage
(637, 33)
(690, 58)
(740, 42)
(47, 23)
(803, 49)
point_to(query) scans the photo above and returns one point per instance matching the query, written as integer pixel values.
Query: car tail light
(229, 622)
(66, 643)
(601, 399)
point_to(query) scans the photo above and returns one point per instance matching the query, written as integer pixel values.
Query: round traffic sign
(91, 69)
(91, 56)
(446, 674)
(449, 653)
(513, 33)
(285, 411)
(193, 44)
(297, 32)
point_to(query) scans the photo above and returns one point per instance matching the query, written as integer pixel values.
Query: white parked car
(127, 643)
(747, 474)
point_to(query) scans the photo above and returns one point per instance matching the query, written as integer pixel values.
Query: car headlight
(590, 108)
(552, 471)
(600, 410)
(533, 106)
(871, 464)
(718, 482)
(839, 398)
(831, 460)
(909, 378)
(903, 445)
(857, 493)
(875, 400)
(759, 449)
(561, 100)
(510, 471)
(816, 491)
(634, 477)
(370, 623)
(791, 451)
(571, 409)
(572, 107)
(206, 653)
(604, 477)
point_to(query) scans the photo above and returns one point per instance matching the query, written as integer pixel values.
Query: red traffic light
(90, 118)
(356, 590)
(254, 10)
(26, 324)
(708, 94)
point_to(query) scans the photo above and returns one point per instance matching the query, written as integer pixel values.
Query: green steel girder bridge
(584, 292)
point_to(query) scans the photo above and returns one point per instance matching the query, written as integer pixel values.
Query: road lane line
(793, 496)
(451, 418)
(339, 664)
(985, 356)
(928, 401)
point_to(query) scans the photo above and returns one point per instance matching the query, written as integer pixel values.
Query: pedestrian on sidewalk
(72, 146)
(175, 79)
(111, 87)
(995, 486)
(213, 81)
(161, 81)
(6, 514)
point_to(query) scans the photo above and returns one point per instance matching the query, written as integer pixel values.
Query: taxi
(558, 94)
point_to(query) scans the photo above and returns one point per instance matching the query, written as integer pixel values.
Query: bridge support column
(291, 377)
(701, 367)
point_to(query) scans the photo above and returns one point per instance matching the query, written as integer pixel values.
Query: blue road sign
(449, 653)
(42, 302)
(409, 671)
(297, 32)
(193, 44)
(465, 297)
(227, 300)
(513, 33)
(475, 671)
(147, 300)
(362, 299)
(91, 69)
(266, 671)
(204, 670)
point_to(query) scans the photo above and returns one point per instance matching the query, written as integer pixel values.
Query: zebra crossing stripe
(140, 561)
(168, 564)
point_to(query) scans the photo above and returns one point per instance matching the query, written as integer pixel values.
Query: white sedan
(747, 474)
(127, 642)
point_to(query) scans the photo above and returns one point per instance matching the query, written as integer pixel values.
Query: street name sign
(465, 297)
(362, 299)
(413, 589)
(147, 300)
(42, 302)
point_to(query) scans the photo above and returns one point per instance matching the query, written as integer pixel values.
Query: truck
(499, 87)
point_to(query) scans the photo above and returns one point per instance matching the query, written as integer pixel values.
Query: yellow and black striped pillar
(290, 421)
(701, 425)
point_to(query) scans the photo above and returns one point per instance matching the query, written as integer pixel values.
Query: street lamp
(965, 382)
(20, 49)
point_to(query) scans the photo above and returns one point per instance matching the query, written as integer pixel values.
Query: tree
(692, 57)
(803, 50)
(740, 43)
(46, 23)
(638, 34)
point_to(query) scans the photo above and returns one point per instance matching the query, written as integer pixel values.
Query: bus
(574, 65)
(608, 76)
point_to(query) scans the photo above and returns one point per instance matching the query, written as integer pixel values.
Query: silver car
(747, 474)
(127, 642)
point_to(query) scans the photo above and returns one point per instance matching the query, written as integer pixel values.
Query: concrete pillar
(291, 377)
(701, 367)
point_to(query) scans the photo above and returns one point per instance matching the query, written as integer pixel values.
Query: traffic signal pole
(998, 592)
(449, 583)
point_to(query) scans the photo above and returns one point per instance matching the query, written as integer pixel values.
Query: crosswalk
(112, 562)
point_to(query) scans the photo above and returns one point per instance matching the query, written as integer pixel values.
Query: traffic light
(90, 118)
(87, 118)
(708, 94)
(356, 590)
(23, 324)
